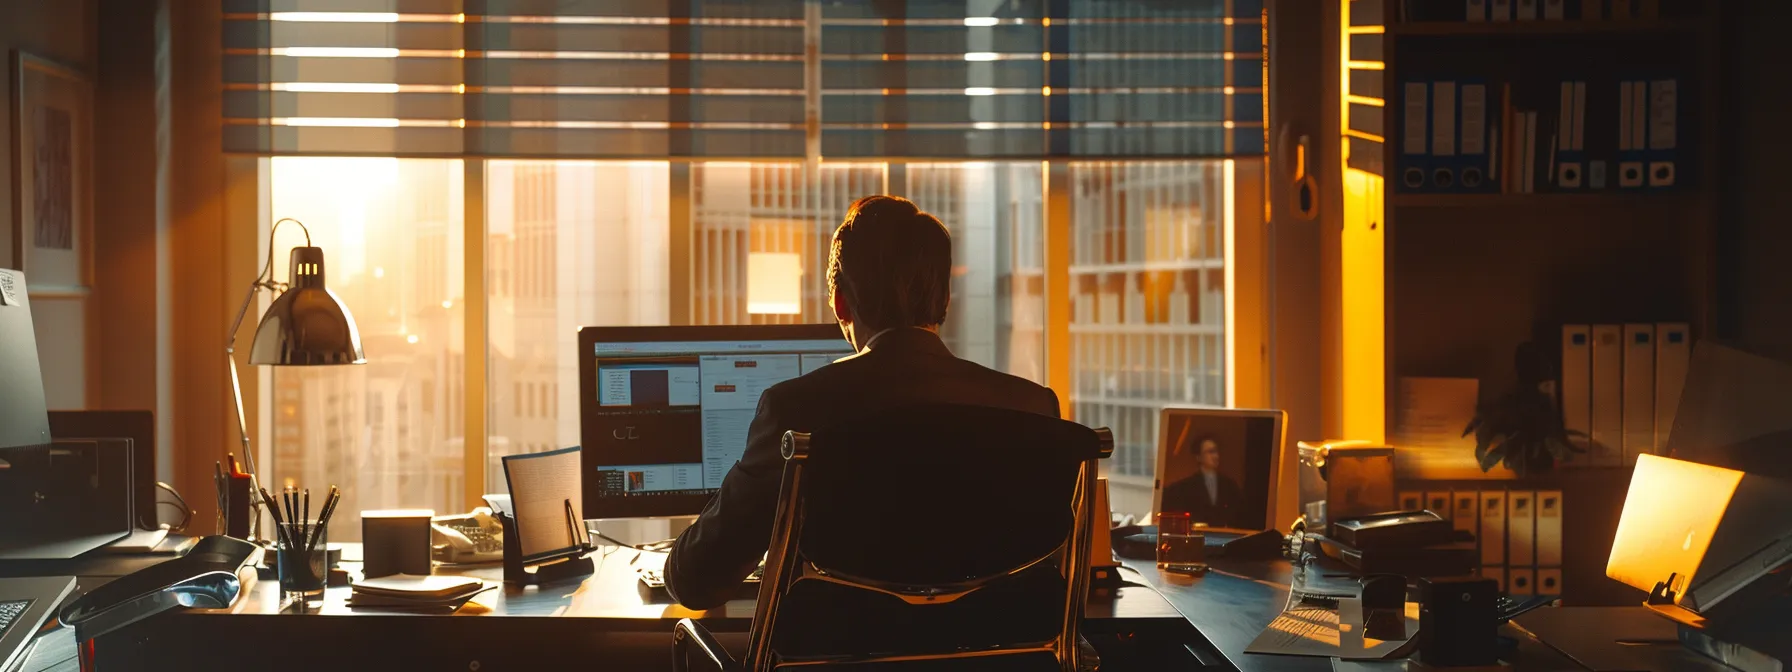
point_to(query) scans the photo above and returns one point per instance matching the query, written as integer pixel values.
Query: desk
(1232, 603)
(601, 620)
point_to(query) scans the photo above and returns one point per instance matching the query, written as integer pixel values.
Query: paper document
(1307, 630)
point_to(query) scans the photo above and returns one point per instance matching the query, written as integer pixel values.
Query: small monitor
(664, 411)
(1219, 465)
(24, 418)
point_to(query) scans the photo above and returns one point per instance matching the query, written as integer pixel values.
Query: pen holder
(303, 564)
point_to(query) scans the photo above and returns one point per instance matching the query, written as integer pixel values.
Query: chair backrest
(968, 525)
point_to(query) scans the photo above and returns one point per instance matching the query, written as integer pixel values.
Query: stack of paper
(416, 592)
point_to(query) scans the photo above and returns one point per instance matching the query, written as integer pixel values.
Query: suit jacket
(1189, 495)
(900, 367)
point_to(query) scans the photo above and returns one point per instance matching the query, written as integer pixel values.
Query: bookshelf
(1470, 276)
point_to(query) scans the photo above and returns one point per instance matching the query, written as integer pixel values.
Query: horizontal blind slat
(647, 78)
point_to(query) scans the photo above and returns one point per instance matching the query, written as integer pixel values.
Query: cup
(1181, 543)
(304, 567)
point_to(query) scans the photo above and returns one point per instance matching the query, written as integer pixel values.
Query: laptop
(25, 604)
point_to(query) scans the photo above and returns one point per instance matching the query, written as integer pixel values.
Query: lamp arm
(263, 280)
(236, 384)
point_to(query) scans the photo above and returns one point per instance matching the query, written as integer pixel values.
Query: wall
(62, 31)
(1755, 291)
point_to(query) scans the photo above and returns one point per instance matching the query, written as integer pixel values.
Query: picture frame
(52, 186)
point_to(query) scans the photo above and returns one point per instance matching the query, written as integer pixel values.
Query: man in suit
(889, 278)
(1208, 496)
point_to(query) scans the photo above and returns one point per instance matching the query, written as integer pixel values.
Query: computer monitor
(24, 419)
(1218, 465)
(664, 411)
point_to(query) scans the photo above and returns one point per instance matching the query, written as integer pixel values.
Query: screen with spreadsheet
(666, 417)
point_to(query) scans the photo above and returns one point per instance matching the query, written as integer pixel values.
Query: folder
(1633, 120)
(1577, 388)
(1673, 348)
(1521, 529)
(1608, 395)
(1526, 10)
(1555, 10)
(1571, 128)
(1497, 574)
(1415, 140)
(1476, 167)
(1664, 105)
(1411, 501)
(1530, 152)
(1444, 157)
(1519, 582)
(1549, 581)
(1463, 513)
(1639, 391)
(1549, 528)
(1475, 10)
(1438, 502)
(1499, 10)
(1493, 527)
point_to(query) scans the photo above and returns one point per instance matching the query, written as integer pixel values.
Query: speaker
(1458, 626)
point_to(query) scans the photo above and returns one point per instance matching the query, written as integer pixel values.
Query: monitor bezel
(1280, 419)
(669, 506)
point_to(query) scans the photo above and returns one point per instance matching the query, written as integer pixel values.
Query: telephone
(466, 538)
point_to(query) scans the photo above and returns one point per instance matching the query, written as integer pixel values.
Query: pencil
(323, 517)
(305, 523)
(279, 522)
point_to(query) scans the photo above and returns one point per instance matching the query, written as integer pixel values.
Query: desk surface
(611, 593)
(1232, 603)
(1228, 607)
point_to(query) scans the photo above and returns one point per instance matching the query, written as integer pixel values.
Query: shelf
(1634, 199)
(1528, 28)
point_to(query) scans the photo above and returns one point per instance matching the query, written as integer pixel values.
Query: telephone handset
(466, 538)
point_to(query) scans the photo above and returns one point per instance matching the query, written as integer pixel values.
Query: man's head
(890, 267)
(1209, 453)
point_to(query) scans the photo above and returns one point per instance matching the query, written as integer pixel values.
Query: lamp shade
(307, 325)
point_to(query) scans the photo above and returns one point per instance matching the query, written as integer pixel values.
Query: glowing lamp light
(774, 283)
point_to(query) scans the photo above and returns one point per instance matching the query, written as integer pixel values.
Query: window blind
(748, 79)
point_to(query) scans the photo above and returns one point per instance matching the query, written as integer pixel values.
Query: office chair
(933, 536)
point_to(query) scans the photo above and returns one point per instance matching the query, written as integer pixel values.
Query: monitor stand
(636, 531)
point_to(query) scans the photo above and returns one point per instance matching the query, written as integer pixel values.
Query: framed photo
(52, 175)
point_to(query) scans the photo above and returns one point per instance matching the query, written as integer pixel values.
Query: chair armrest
(689, 635)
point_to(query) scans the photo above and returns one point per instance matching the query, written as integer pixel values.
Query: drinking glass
(1181, 543)
(303, 569)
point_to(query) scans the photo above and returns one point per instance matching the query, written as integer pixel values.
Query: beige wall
(62, 31)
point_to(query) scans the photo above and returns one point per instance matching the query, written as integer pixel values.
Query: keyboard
(652, 585)
(10, 611)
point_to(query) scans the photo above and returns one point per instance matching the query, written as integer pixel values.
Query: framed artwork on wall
(52, 187)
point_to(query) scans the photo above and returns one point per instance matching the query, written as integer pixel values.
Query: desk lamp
(307, 325)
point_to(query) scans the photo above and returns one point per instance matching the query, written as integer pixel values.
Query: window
(391, 232)
(586, 243)
(639, 170)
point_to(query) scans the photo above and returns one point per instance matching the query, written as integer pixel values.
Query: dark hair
(892, 263)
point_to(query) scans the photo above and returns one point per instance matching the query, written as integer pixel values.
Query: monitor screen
(665, 410)
(1219, 465)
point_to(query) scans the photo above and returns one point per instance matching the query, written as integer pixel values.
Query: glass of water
(1181, 543)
